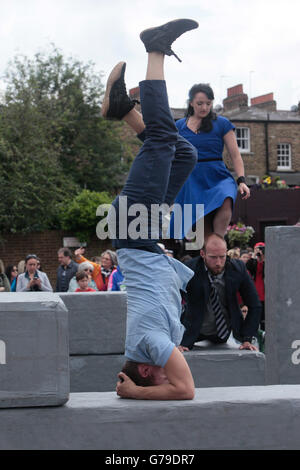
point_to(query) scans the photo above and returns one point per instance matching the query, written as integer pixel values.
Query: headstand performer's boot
(116, 103)
(160, 38)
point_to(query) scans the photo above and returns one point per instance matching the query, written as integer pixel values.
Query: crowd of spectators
(73, 275)
(254, 259)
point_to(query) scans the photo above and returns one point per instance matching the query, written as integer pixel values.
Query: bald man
(212, 309)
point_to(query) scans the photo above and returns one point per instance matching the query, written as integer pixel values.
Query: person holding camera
(256, 268)
(33, 280)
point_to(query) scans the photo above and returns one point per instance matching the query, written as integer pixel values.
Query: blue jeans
(162, 165)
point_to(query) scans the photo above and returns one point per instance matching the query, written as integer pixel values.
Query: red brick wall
(262, 99)
(235, 90)
(15, 247)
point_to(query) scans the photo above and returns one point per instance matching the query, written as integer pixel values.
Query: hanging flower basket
(273, 183)
(239, 235)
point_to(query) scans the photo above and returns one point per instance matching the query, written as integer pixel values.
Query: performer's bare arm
(238, 165)
(180, 384)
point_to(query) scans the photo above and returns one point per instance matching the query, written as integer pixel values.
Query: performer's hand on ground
(249, 346)
(182, 348)
(244, 190)
(126, 388)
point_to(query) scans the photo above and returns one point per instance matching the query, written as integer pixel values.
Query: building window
(243, 138)
(284, 157)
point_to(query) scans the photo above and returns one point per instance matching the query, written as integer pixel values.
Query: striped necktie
(222, 329)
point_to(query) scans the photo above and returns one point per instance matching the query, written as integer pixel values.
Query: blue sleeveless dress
(210, 182)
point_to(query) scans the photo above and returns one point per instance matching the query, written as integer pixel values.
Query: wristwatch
(240, 179)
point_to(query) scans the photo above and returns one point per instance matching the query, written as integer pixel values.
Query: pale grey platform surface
(211, 366)
(282, 273)
(97, 322)
(218, 418)
(34, 365)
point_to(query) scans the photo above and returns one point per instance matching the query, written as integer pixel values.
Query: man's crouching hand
(125, 388)
(247, 345)
(182, 348)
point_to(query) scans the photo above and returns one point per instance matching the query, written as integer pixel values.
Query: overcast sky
(253, 42)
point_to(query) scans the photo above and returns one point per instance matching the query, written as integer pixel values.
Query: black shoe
(160, 39)
(116, 103)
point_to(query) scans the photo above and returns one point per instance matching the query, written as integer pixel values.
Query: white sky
(253, 42)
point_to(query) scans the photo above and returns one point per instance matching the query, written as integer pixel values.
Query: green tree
(79, 215)
(67, 95)
(53, 140)
(32, 187)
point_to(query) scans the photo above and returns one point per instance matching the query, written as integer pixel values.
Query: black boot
(116, 103)
(160, 39)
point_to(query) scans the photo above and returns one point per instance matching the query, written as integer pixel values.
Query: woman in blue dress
(210, 183)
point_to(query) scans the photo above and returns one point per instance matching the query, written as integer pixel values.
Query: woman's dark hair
(206, 123)
(28, 257)
(130, 368)
(9, 270)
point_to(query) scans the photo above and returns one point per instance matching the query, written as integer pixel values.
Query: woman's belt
(210, 160)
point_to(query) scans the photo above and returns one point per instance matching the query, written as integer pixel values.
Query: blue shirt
(116, 281)
(208, 144)
(153, 282)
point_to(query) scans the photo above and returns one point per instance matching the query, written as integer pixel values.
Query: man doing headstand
(155, 368)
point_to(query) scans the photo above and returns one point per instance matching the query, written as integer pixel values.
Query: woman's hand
(244, 190)
(34, 282)
(79, 252)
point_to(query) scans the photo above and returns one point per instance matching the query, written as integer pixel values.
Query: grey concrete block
(97, 322)
(34, 363)
(211, 366)
(282, 274)
(237, 418)
(95, 373)
(225, 365)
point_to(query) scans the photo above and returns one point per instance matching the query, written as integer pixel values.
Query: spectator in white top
(33, 280)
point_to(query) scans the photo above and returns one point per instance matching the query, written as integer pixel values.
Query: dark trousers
(162, 165)
(213, 338)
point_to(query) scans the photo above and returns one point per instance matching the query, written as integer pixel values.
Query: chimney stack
(236, 98)
(264, 102)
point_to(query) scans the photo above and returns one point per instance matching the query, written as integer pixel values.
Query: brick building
(268, 139)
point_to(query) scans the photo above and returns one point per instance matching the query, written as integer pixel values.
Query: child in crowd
(82, 279)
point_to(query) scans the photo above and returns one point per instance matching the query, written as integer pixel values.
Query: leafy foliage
(79, 215)
(53, 141)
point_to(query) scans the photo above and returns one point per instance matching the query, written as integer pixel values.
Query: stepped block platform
(222, 365)
(263, 417)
